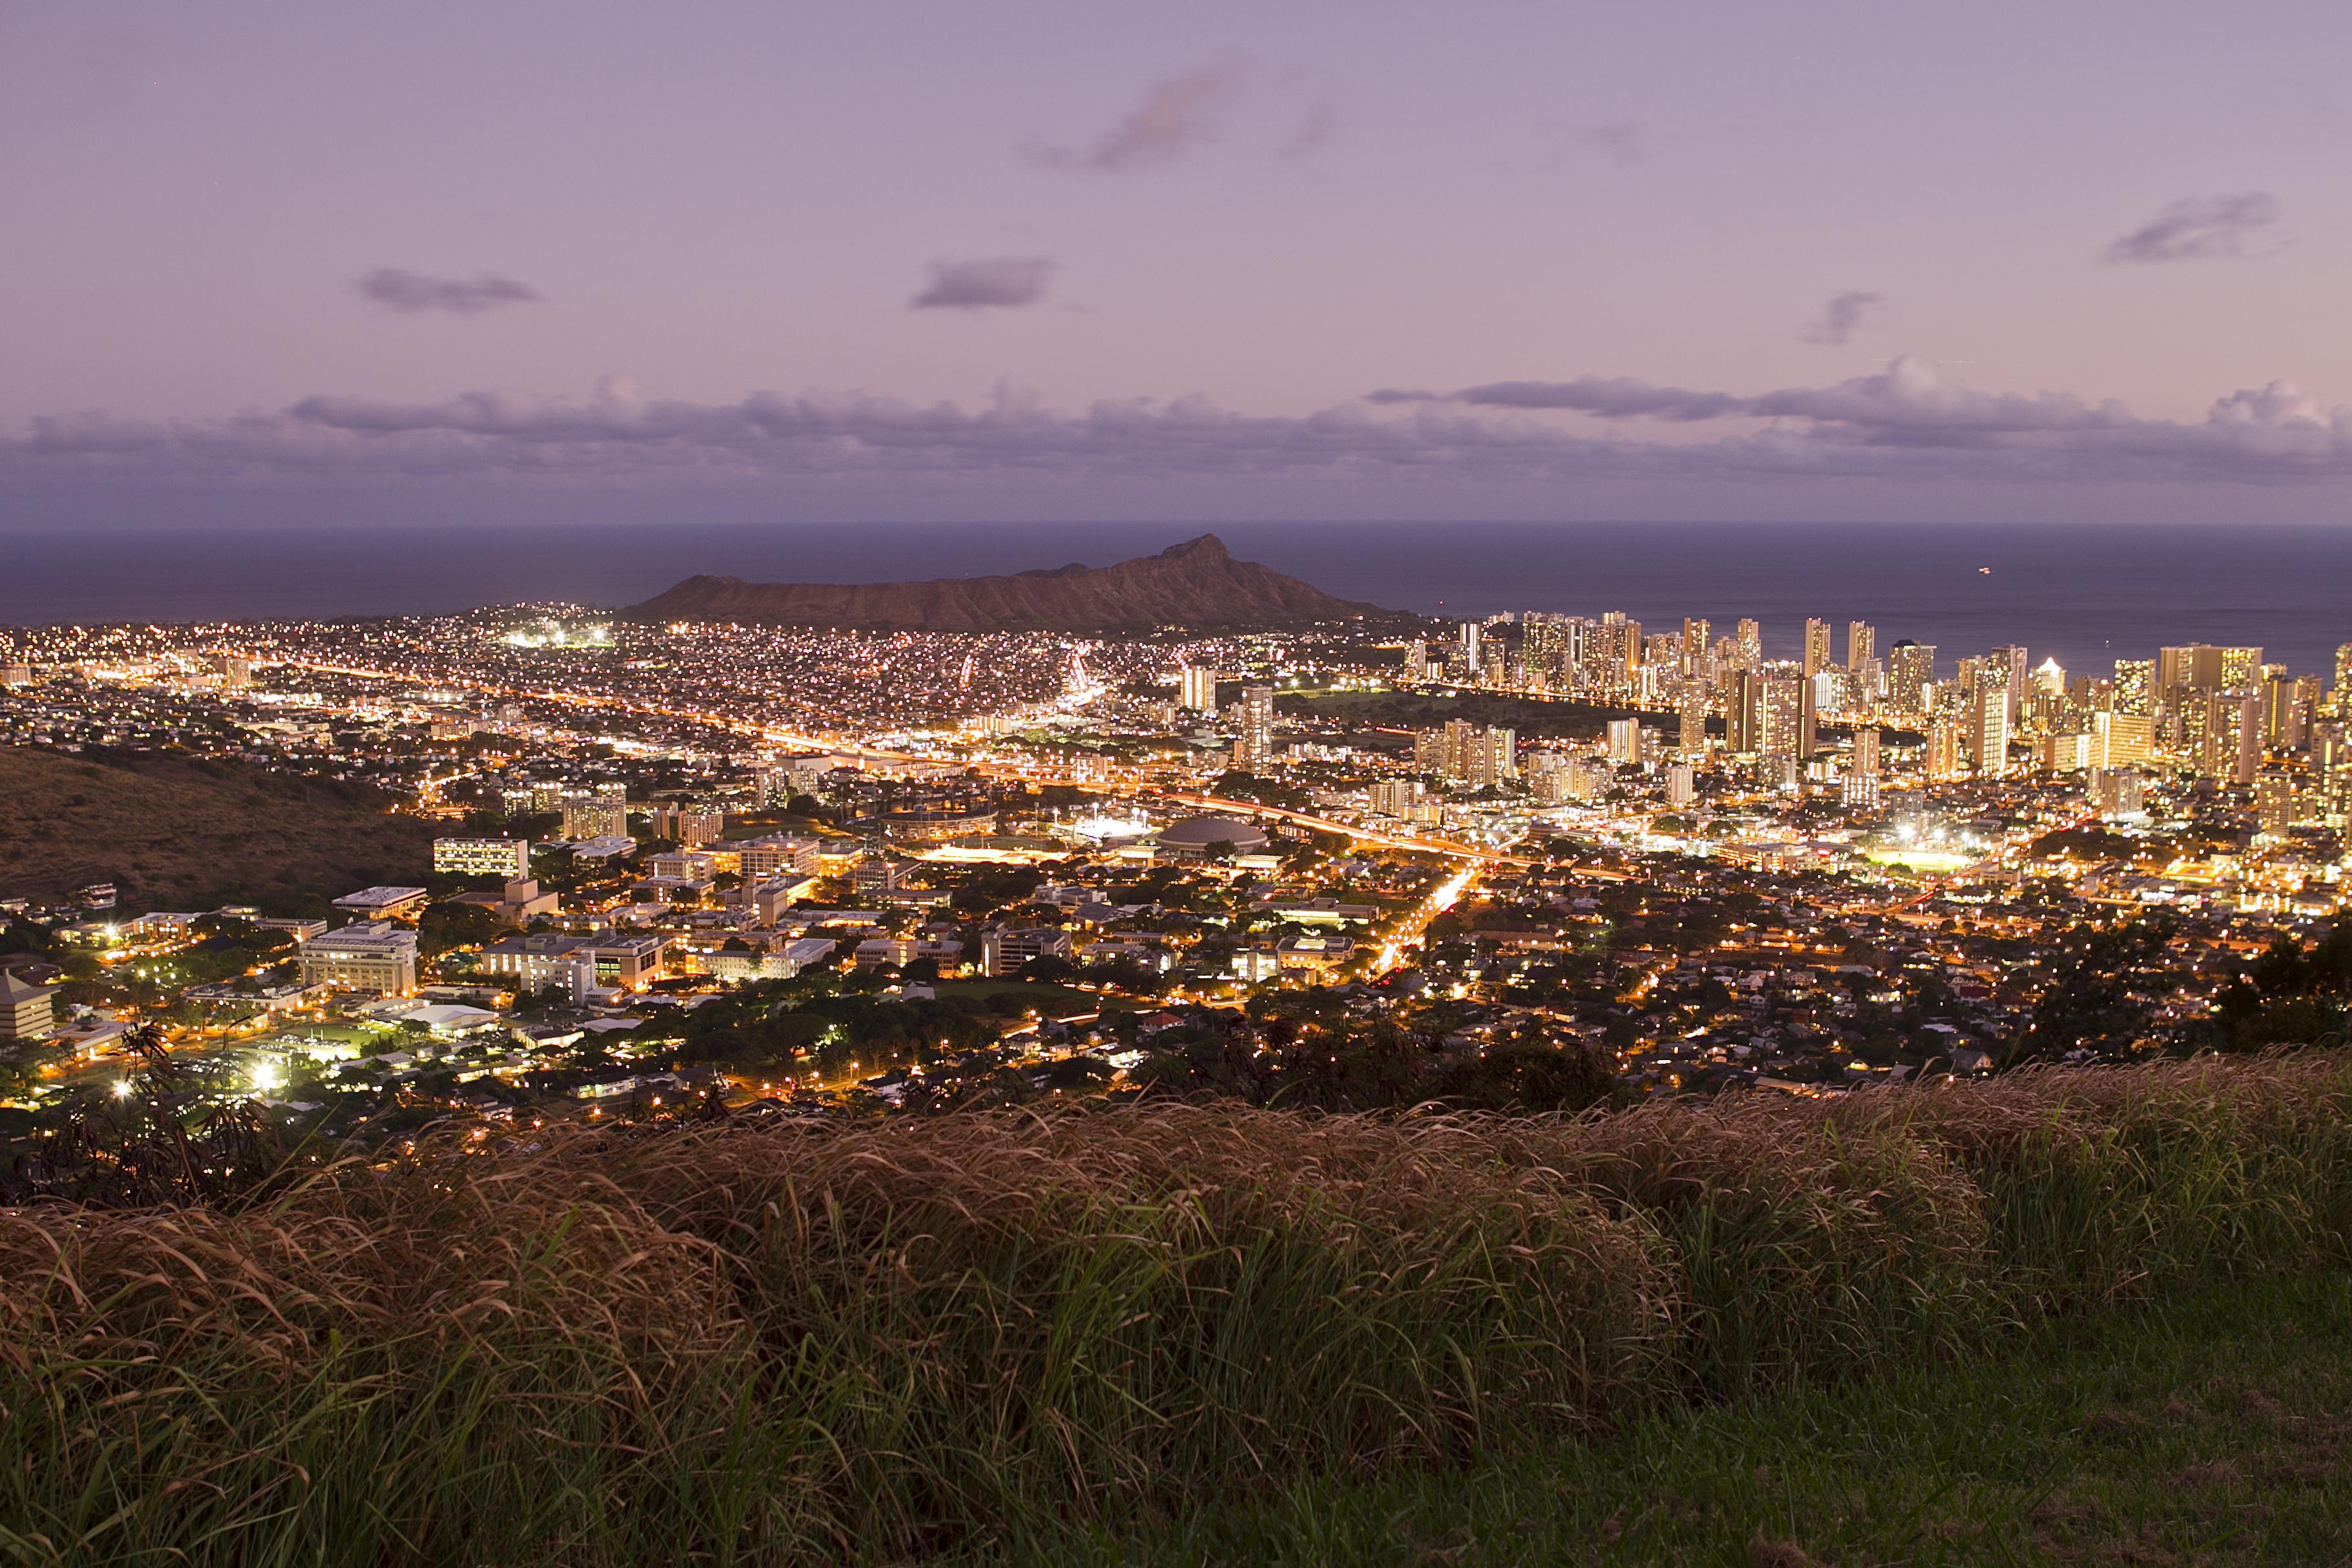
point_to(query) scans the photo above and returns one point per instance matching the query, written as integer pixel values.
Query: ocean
(2086, 594)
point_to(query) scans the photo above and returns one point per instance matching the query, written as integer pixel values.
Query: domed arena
(1199, 835)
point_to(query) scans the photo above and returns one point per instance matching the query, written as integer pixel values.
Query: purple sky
(273, 261)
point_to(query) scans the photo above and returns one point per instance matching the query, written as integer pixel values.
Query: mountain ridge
(1195, 583)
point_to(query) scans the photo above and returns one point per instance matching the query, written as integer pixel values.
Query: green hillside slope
(172, 833)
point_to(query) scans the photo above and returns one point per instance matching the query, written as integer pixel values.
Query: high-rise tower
(1860, 646)
(1816, 657)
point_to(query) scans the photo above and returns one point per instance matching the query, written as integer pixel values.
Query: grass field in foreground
(2216, 1428)
(906, 1338)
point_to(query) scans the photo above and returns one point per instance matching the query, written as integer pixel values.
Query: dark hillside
(174, 833)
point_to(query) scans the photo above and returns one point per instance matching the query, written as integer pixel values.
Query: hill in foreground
(913, 1339)
(1196, 583)
(174, 833)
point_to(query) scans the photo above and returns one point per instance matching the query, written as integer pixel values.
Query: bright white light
(1107, 826)
(122, 1088)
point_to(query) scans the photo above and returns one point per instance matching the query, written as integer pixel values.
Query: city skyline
(2087, 593)
(1229, 263)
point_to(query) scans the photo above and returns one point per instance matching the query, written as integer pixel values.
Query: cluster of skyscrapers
(2221, 713)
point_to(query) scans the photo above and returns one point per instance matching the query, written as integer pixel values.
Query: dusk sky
(724, 259)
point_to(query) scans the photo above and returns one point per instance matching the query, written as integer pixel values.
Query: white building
(626, 961)
(744, 963)
(26, 1009)
(691, 825)
(372, 955)
(759, 859)
(596, 817)
(383, 903)
(1625, 739)
(507, 859)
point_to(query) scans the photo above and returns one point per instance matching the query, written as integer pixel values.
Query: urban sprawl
(1537, 859)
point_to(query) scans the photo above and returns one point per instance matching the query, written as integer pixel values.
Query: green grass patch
(346, 1034)
(2214, 1428)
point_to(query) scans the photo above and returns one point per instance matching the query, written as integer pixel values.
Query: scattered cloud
(1559, 147)
(1004, 281)
(1622, 141)
(1841, 317)
(397, 288)
(1907, 423)
(1311, 134)
(2195, 228)
(1177, 114)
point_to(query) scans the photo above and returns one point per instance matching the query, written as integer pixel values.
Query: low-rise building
(26, 1010)
(629, 961)
(1313, 955)
(675, 890)
(690, 826)
(877, 951)
(534, 962)
(371, 955)
(524, 899)
(516, 901)
(1323, 912)
(739, 960)
(383, 903)
(879, 874)
(761, 859)
(163, 925)
(769, 899)
(689, 864)
(508, 859)
(1004, 949)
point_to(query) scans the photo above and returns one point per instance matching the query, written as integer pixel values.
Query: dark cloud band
(1907, 423)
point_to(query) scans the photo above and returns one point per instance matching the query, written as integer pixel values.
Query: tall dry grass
(738, 1345)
